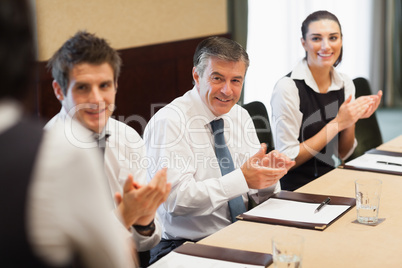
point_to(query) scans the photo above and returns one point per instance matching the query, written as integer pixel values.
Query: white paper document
(178, 260)
(377, 161)
(297, 211)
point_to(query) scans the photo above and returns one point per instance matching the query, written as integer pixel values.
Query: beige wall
(127, 23)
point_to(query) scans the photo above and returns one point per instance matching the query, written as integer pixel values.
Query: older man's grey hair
(221, 48)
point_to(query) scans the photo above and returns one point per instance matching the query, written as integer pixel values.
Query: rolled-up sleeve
(286, 117)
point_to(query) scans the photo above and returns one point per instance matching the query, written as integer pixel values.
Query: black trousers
(144, 257)
(164, 247)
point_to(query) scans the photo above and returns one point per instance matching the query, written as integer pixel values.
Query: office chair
(259, 114)
(367, 131)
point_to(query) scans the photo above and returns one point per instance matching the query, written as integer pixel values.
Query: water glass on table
(287, 250)
(368, 193)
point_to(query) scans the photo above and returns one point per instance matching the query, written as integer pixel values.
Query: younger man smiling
(85, 71)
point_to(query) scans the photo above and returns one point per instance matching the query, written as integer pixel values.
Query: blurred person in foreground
(53, 215)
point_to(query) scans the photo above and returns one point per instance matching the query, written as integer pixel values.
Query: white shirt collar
(78, 130)
(202, 107)
(302, 72)
(203, 110)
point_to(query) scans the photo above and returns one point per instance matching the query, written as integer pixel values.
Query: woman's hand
(351, 111)
(376, 102)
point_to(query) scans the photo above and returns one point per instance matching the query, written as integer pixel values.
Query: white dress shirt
(67, 208)
(124, 155)
(286, 118)
(179, 137)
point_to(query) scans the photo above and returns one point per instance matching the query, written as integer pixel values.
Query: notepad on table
(197, 255)
(377, 161)
(298, 210)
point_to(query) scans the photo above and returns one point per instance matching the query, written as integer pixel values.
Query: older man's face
(220, 85)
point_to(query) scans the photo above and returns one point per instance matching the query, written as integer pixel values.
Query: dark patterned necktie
(102, 143)
(236, 205)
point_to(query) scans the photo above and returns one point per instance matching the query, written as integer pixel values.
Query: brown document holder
(380, 152)
(303, 197)
(225, 254)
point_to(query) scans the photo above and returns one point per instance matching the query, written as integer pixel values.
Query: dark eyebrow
(107, 82)
(236, 77)
(216, 73)
(316, 34)
(80, 84)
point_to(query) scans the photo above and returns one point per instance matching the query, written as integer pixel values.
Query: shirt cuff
(127, 232)
(292, 152)
(351, 150)
(145, 243)
(234, 184)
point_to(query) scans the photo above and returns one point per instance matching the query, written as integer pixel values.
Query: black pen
(389, 163)
(323, 203)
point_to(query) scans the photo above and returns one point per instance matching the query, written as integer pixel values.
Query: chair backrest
(367, 131)
(259, 114)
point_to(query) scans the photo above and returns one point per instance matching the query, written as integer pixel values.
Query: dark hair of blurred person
(16, 48)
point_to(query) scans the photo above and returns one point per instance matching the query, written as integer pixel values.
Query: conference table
(345, 243)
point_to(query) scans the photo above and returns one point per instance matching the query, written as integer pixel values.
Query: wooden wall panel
(127, 23)
(151, 77)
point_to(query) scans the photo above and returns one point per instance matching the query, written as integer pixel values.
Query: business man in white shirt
(181, 137)
(85, 71)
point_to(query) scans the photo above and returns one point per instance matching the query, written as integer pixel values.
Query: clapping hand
(139, 203)
(264, 170)
(376, 100)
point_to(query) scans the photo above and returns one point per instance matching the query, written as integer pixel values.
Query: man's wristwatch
(142, 228)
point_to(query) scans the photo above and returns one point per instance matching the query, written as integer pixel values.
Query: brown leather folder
(379, 152)
(303, 197)
(225, 254)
